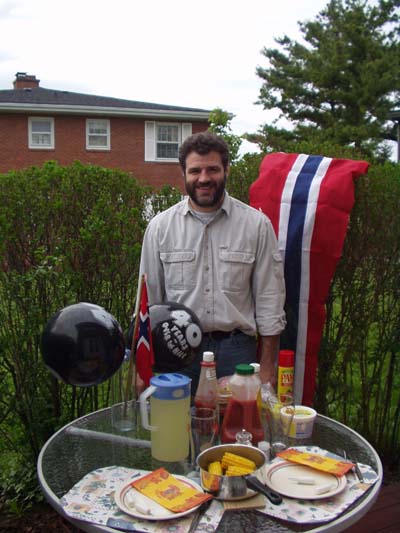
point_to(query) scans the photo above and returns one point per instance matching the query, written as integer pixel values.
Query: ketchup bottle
(242, 411)
(207, 389)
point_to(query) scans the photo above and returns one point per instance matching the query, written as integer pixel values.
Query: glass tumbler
(280, 412)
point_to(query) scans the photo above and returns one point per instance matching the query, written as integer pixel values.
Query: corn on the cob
(215, 468)
(238, 471)
(232, 459)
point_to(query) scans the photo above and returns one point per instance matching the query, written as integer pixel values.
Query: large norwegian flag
(308, 200)
(143, 340)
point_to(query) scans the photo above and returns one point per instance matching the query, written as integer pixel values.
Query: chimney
(25, 81)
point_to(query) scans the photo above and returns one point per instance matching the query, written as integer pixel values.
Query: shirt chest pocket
(235, 270)
(179, 269)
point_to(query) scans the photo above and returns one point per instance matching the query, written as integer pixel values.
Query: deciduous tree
(220, 125)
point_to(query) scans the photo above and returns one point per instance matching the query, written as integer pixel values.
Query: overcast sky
(190, 53)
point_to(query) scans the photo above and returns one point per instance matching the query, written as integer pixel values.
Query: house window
(167, 141)
(97, 134)
(41, 133)
(162, 140)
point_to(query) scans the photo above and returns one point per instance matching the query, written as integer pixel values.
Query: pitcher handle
(143, 408)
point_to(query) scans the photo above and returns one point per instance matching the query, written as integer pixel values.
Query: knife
(199, 513)
(355, 468)
(359, 473)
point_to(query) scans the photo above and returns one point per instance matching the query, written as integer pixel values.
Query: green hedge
(359, 360)
(70, 234)
(67, 234)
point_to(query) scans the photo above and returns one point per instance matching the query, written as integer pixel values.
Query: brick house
(38, 124)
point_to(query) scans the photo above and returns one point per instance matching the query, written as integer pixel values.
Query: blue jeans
(228, 352)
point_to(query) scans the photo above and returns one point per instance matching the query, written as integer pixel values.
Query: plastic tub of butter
(302, 422)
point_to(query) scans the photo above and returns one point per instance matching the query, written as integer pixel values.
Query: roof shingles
(42, 96)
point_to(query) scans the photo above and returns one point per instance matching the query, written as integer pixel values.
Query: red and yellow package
(319, 462)
(172, 493)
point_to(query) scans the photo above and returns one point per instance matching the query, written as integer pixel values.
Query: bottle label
(285, 380)
(211, 373)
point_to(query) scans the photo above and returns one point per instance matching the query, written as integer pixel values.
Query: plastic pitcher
(169, 415)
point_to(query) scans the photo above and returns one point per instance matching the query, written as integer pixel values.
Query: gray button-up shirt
(228, 272)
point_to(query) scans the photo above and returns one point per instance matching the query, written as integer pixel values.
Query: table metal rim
(352, 517)
(51, 497)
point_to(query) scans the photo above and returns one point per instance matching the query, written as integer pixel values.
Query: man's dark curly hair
(203, 143)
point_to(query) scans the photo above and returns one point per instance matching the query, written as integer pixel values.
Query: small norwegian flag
(143, 340)
(308, 200)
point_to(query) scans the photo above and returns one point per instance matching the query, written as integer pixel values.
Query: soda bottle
(207, 389)
(242, 410)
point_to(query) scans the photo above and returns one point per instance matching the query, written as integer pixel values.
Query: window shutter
(186, 130)
(149, 141)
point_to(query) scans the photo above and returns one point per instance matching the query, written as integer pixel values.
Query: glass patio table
(90, 443)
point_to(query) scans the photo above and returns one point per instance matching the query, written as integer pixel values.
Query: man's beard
(211, 201)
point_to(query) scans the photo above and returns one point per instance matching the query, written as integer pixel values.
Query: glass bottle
(207, 389)
(256, 367)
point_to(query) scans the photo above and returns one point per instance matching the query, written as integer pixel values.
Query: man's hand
(139, 386)
(268, 359)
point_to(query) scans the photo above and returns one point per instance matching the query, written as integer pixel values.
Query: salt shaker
(244, 437)
(265, 447)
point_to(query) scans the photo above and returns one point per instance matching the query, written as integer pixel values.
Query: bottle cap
(256, 367)
(208, 357)
(286, 358)
(244, 369)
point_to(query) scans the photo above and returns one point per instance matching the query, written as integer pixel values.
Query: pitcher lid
(170, 380)
(171, 386)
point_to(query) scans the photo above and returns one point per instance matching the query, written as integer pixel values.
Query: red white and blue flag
(308, 200)
(143, 339)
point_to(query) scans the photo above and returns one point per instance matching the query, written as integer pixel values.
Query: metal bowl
(234, 487)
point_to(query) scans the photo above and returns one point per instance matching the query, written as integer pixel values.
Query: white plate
(278, 478)
(158, 512)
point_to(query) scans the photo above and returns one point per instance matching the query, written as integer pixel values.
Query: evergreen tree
(340, 85)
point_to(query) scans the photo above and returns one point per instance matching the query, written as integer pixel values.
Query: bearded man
(219, 257)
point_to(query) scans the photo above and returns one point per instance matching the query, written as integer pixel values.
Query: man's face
(205, 180)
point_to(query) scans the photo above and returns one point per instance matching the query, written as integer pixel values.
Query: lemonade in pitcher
(169, 416)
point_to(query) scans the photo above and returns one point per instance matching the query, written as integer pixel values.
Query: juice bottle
(242, 410)
(285, 373)
(207, 389)
(256, 367)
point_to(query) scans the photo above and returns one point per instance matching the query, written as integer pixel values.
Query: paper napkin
(174, 494)
(319, 462)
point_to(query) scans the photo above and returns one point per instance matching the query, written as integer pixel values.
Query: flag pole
(133, 346)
